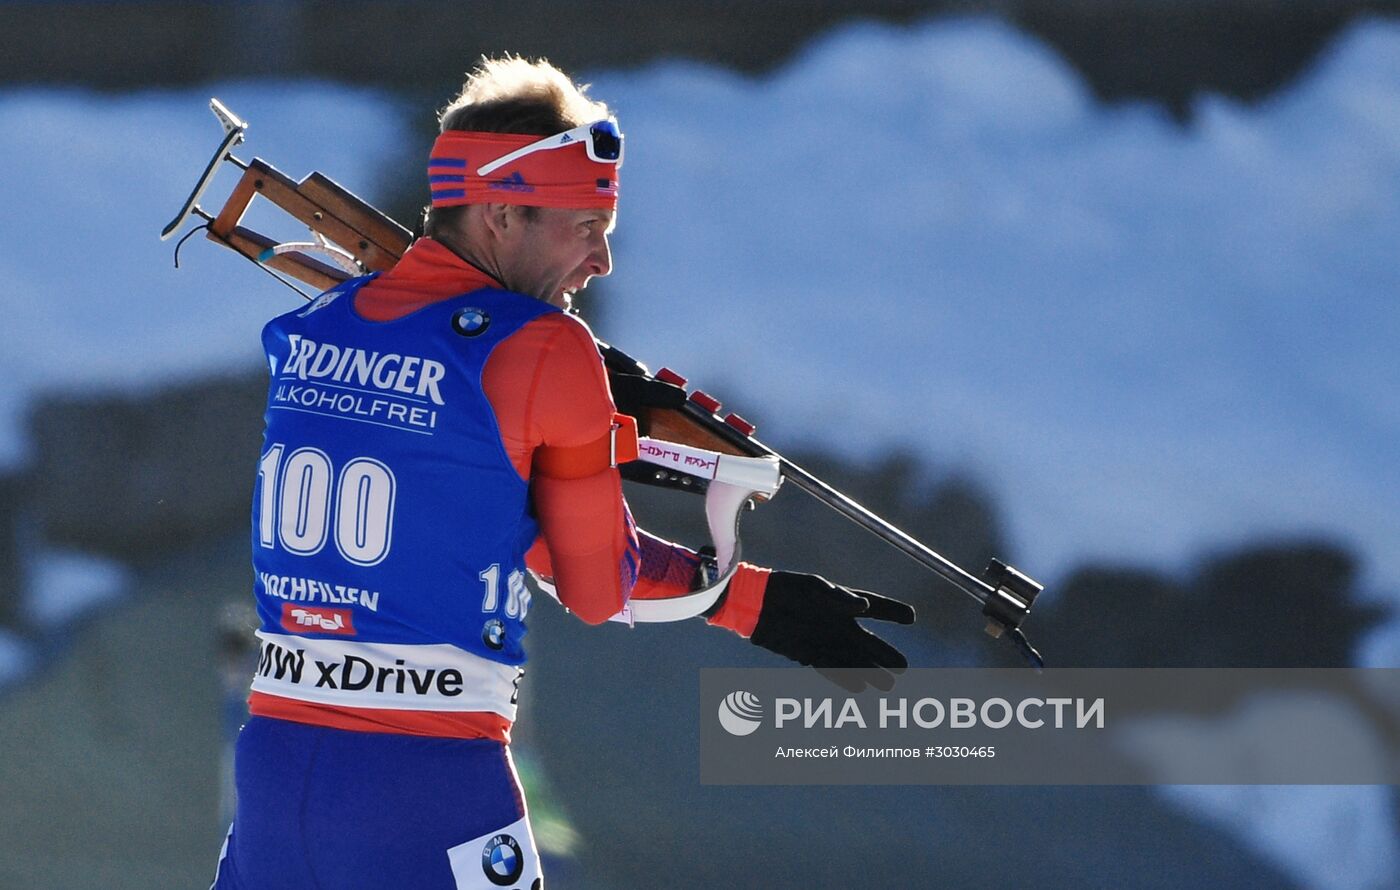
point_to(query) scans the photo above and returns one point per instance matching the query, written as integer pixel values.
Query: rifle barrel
(921, 553)
(886, 531)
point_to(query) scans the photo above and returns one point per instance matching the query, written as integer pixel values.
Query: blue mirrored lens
(607, 140)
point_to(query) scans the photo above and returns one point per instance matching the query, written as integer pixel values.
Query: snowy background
(1146, 340)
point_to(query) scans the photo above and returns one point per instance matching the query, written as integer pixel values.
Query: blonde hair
(512, 94)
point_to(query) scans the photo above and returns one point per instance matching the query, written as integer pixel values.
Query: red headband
(561, 177)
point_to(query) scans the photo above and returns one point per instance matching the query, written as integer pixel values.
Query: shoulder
(552, 338)
(553, 368)
(567, 326)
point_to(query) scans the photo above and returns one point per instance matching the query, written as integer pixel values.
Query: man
(433, 432)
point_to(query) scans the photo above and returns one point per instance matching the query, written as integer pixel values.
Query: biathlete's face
(556, 253)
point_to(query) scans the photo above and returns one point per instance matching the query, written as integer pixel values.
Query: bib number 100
(302, 502)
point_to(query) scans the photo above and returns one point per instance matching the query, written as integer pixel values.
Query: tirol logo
(502, 861)
(740, 713)
(300, 619)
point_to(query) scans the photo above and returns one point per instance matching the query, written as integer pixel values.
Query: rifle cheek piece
(1013, 594)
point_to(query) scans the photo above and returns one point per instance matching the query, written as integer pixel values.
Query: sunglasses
(602, 140)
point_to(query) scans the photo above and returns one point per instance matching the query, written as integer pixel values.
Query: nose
(600, 260)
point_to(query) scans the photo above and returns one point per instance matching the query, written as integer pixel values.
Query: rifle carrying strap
(617, 446)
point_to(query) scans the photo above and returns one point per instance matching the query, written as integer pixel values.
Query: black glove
(813, 622)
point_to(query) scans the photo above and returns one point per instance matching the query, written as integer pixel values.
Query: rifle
(353, 238)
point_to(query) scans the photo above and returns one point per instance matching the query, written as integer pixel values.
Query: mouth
(564, 298)
(569, 290)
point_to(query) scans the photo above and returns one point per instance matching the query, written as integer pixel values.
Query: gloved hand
(814, 622)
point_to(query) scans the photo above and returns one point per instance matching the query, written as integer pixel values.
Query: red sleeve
(743, 600)
(548, 387)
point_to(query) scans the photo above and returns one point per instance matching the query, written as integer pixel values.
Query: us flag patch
(607, 186)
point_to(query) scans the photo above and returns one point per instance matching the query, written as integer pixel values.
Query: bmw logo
(502, 860)
(493, 634)
(470, 322)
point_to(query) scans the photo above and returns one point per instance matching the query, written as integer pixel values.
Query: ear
(498, 219)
